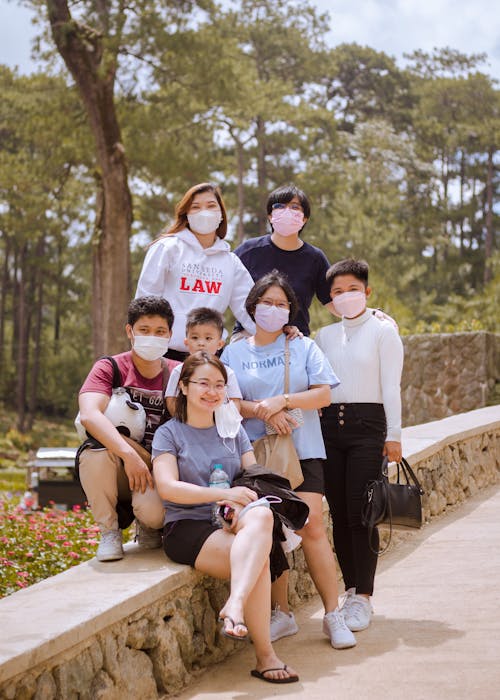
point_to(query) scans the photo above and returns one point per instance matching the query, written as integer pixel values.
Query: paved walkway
(435, 634)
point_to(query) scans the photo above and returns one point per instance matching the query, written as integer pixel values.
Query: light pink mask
(287, 222)
(350, 304)
(270, 318)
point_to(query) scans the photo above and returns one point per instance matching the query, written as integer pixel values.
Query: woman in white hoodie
(191, 266)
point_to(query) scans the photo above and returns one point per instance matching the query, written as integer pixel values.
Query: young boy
(204, 329)
(360, 426)
(117, 469)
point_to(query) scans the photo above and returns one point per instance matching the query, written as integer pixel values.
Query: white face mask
(227, 419)
(150, 347)
(205, 221)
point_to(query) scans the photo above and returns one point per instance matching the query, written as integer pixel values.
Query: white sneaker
(336, 630)
(110, 546)
(147, 537)
(357, 612)
(282, 624)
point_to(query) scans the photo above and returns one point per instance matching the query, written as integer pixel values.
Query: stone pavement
(435, 633)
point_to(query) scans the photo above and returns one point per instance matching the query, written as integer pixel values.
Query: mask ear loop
(231, 450)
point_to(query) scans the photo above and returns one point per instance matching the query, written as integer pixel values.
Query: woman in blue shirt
(259, 365)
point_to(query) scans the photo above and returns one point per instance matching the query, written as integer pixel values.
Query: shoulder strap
(287, 365)
(166, 373)
(117, 376)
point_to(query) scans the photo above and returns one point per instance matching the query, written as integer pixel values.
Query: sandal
(263, 677)
(227, 633)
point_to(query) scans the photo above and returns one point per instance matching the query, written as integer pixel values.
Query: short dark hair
(197, 359)
(272, 279)
(285, 194)
(349, 266)
(204, 315)
(150, 306)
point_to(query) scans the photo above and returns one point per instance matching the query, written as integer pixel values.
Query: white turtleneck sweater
(367, 356)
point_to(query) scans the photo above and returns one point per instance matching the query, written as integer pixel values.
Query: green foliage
(400, 164)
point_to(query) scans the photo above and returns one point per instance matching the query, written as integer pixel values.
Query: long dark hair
(197, 359)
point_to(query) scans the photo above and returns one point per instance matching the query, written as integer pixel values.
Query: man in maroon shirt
(119, 468)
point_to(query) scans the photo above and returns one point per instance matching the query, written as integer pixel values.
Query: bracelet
(287, 401)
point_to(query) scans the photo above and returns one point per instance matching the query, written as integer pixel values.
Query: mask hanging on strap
(227, 419)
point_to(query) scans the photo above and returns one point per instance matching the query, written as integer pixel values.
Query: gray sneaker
(336, 630)
(357, 612)
(110, 545)
(282, 624)
(147, 537)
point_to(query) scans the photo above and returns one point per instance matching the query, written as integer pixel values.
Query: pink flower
(73, 555)
(29, 554)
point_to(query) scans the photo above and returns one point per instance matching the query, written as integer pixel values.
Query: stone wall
(448, 373)
(143, 627)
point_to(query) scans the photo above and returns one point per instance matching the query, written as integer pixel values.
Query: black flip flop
(225, 633)
(260, 674)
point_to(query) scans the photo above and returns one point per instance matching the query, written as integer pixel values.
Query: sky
(392, 26)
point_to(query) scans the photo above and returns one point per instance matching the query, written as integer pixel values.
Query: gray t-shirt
(197, 451)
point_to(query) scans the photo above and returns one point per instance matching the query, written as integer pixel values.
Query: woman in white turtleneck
(361, 425)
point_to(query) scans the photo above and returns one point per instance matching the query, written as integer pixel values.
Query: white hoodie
(178, 268)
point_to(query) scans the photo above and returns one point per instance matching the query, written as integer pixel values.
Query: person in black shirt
(305, 266)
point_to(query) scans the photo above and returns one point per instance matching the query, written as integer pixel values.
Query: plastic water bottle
(219, 480)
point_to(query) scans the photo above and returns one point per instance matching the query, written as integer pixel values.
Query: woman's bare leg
(318, 553)
(279, 592)
(240, 557)
(237, 557)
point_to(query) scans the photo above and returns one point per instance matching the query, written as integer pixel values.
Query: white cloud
(393, 26)
(402, 26)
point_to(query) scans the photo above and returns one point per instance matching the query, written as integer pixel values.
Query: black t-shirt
(305, 269)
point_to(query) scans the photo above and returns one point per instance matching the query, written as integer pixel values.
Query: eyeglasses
(278, 304)
(277, 206)
(219, 387)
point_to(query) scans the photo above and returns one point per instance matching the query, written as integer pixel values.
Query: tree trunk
(21, 347)
(37, 308)
(488, 243)
(4, 289)
(93, 67)
(261, 175)
(240, 231)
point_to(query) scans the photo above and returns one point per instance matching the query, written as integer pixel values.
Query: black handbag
(397, 504)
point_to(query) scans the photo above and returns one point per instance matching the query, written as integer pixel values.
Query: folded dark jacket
(292, 511)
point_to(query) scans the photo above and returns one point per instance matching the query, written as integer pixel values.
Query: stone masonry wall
(160, 648)
(448, 373)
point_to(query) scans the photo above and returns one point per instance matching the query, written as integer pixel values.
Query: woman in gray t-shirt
(185, 451)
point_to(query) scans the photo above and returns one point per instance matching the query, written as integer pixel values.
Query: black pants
(354, 436)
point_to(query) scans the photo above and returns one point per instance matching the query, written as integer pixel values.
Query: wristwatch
(287, 401)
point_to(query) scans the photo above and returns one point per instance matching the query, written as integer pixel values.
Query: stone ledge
(58, 613)
(99, 631)
(422, 441)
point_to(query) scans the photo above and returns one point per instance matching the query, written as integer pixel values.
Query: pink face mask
(270, 318)
(287, 222)
(350, 304)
